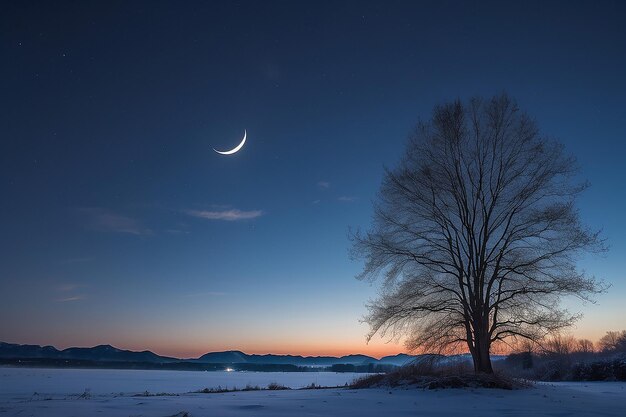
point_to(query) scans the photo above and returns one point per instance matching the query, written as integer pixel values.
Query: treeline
(369, 368)
(187, 366)
(563, 358)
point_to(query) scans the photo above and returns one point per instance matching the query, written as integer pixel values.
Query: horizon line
(377, 357)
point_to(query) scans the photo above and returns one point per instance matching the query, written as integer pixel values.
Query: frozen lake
(26, 381)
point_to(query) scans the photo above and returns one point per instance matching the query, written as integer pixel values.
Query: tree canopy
(476, 234)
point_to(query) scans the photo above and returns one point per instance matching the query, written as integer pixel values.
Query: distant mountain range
(96, 353)
(107, 353)
(235, 356)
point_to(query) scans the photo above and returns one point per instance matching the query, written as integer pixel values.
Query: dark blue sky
(112, 204)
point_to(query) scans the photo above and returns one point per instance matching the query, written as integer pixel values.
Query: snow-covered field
(60, 393)
(46, 382)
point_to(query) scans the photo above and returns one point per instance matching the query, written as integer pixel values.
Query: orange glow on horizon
(376, 352)
(188, 347)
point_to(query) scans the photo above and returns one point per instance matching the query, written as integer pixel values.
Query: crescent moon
(235, 149)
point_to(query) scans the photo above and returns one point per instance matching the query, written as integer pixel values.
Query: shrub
(275, 386)
(608, 370)
(368, 381)
(619, 369)
(217, 390)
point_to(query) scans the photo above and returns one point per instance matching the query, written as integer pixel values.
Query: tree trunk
(480, 351)
(482, 360)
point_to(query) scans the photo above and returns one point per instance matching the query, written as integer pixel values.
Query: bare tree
(559, 345)
(613, 342)
(525, 346)
(584, 346)
(476, 234)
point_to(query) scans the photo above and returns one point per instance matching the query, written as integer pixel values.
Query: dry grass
(431, 374)
(156, 394)
(273, 386)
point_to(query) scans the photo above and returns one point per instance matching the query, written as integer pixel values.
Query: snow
(20, 381)
(112, 395)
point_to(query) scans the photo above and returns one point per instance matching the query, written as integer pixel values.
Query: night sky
(119, 224)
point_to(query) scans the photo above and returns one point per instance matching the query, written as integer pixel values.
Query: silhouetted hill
(110, 353)
(240, 357)
(231, 356)
(101, 353)
(11, 350)
(397, 360)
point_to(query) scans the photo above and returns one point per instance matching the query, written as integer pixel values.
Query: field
(73, 392)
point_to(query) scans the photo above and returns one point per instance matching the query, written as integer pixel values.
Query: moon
(236, 148)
